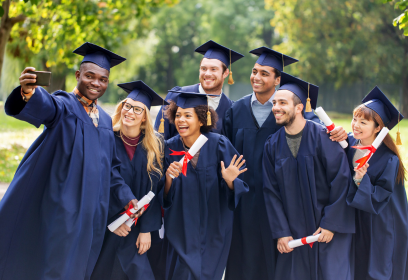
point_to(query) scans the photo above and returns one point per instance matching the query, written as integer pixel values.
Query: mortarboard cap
(213, 50)
(269, 57)
(139, 91)
(98, 55)
(377, 101)
(302, 89)
(191, 99)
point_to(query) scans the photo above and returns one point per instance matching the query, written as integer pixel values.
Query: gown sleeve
(225, 153)
(42, 108)
(373, 198)
(338, 217)
(167, 201)
(121, 190)
(278, 221)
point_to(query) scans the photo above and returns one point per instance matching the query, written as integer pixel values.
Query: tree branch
(17, 19)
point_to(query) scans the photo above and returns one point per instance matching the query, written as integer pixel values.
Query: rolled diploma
(327, 122)
(378, 140)
(129, 222)
(195, 148)
(298, 242)
(119, 221)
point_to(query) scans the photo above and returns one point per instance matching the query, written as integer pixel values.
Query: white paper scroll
(161, 230)
(298, 242)
(198, 144)
(122, 219)
(380, 137)
(328, 123)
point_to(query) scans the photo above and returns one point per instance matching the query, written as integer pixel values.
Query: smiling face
(212, 74)
(284, 108)
(263, 79)
(364, 128)
(92, 80)
(187, 122)
(129, 118)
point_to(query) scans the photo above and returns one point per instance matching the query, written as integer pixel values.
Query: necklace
(132, 145)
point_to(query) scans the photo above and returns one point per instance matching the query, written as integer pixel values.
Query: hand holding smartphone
(43, 78)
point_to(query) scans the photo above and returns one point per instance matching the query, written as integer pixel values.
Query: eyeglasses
(136, 109)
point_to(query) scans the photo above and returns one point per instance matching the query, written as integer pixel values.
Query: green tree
(51, 29)
(342, 41)
(402, 19)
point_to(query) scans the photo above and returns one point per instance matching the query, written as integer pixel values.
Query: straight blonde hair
(152, 142)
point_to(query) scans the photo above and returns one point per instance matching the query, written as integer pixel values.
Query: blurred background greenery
(344, 46)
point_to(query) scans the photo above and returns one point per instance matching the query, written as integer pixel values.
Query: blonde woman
(140, 148)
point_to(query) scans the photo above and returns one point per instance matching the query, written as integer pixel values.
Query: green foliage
(10, 158)
(54, 28)
(174, 32)
(339, 41)
(402, 19)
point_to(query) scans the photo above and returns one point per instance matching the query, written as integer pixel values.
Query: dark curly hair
(201, 112)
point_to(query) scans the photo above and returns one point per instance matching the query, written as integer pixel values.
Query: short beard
(289, 122)
(215, 89)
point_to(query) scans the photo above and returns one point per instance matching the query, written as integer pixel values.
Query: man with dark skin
(65, 180)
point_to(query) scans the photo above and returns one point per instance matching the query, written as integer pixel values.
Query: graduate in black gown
(53, 215)
(198, 204)
(378, 194)
(140, 149)
(306, 179)
(247, 124)
(213, 71)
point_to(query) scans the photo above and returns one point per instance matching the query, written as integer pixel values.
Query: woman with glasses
(140, 149)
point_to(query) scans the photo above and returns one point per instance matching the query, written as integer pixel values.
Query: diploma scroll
(122, 219)
(328, 123)
(372, 148)
(193, 150)
(303, 241)
(129, 222)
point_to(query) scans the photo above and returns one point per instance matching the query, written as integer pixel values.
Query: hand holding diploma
(131, 210)
(122, 230)
(360, 172)
(232, 172)
(324, 236)
(283, 244)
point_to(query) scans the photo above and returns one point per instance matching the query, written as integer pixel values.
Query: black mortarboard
(272, 58)
(139, 91)
(98, 55)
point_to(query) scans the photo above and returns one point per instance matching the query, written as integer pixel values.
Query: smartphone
(43, 78)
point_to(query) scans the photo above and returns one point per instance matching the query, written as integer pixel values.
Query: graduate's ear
(277, 81)
(225, 74)
(377, 129)
(77, 75)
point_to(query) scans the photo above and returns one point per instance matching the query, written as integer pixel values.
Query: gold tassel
(230, 79)
(308, 105)
(208, 117)
(161, 126)
(398, 141)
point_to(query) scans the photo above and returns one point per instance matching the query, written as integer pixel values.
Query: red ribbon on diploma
(304, 242)
(145, 207)
(127, 212)
(187, 157)
(331, 127)
(364, 159)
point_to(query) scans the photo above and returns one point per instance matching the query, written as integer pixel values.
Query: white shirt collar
(253, 99)
(213, 102)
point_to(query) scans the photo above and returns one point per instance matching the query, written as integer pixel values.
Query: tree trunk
(5, 28)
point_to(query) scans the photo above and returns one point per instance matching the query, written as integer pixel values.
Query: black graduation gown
(53, 215)
(171, 131)
(307, 192)
(252, 253)
(198, 212)
(129, 262)
(381, 237)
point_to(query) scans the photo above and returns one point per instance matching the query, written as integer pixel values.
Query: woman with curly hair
(198, 205)
(378, 193)
(140, 149)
